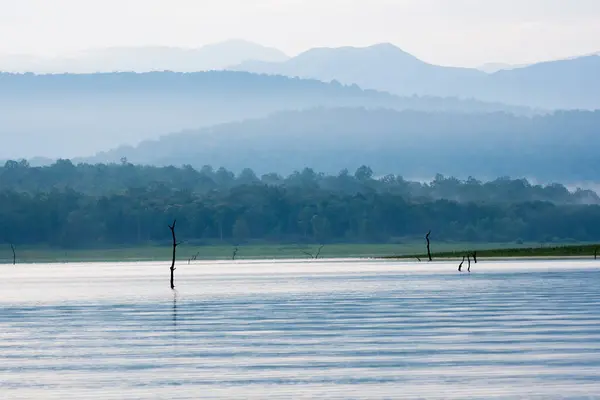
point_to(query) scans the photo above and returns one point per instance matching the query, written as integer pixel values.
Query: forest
(83, 206)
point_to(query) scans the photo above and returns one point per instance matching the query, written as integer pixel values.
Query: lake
(343, 329)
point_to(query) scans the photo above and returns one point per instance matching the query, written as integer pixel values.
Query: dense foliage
(103, 179)
(89, 205)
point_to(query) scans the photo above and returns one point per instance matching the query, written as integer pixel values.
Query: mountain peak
(389, 49)
(386, 46)
(380, 52)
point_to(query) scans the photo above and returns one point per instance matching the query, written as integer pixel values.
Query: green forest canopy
(79, 206)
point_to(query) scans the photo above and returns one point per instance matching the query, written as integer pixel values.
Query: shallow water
(294, 330)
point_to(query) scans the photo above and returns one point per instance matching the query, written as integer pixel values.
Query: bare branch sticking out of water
(235, 251)
(12, 247)
(307, 253)
(194, 257)
(417, 257)
(461, 264)
(428, 246)
(475, 257)
(596, 253)
(316, 255)
(469, 260)
(319, 251)
(175, 244)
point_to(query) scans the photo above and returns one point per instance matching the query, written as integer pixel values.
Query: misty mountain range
(416, 144)
(563, 84)
(572, 83)
(326, 108)
(216, 56)
(72, 115)
(492, 67)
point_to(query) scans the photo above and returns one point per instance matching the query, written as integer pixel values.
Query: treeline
(112, 179)
(277, 214)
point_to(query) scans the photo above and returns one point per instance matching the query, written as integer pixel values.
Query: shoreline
(380, 252)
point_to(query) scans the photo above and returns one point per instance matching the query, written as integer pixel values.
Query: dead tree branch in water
(475, 257)
(194, 257)
(469, 260)
(428, 245)
(307, 253)
(417, 257)
(235, 251)
(461, 264)
(12, 247)
(175, 244)
(315, 255)
(319, 251)
(596, 253)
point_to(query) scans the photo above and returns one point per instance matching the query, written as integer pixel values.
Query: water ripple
(299, 330)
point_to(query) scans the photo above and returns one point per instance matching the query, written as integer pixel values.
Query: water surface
(294, 330)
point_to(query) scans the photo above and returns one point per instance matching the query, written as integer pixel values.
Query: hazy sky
(451, 32)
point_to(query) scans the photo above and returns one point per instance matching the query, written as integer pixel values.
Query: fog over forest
(255, 112)
(284, 199)
(326, 108)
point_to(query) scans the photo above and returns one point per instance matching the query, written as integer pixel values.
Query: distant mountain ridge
(557, 147)
(572, 83)
(69, 115)
(491, 68)
(380, 67)
(215, 56)
(562, 84)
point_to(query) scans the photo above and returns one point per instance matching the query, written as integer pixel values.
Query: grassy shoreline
(560, 251)
(252, 252)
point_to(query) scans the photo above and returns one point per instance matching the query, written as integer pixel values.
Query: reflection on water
(293, 330)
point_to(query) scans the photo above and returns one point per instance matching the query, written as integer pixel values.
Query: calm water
(295, 330)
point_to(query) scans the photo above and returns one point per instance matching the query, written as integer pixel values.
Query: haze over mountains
(571, 84)
(490, 68)
(144, 59)
(70, 115)
(416, 144)
(326, 108)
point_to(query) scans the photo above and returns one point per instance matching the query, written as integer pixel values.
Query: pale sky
(448, 32)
